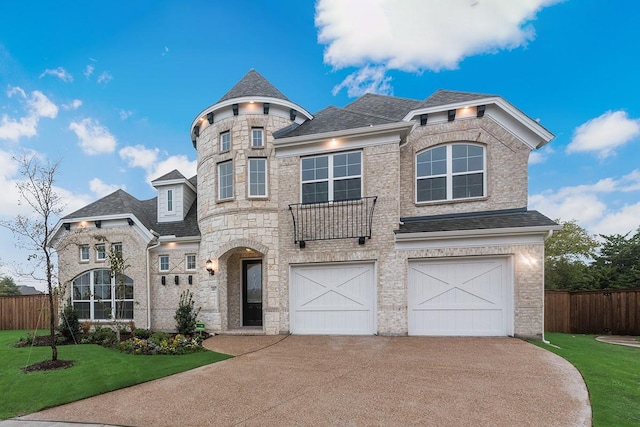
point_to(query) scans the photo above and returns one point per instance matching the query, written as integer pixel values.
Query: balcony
(343, 219)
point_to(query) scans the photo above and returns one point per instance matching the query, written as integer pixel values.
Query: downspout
(149, 248)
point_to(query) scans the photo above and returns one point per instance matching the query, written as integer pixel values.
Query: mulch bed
(48, 365)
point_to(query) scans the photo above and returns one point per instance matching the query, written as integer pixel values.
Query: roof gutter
(490, 232)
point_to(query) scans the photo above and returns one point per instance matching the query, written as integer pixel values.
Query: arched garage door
(336, 299)
(464, 297)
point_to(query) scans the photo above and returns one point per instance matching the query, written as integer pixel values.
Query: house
(28, 290)
(387, 216)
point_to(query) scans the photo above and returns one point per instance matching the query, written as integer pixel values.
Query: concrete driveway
(352, 381)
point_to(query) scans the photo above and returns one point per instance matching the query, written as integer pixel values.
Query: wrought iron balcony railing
(343, 219)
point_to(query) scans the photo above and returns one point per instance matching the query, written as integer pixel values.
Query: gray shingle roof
(334, 119)
(389, 107)
(512, 218)
(253, 84)
(445, 97)
(174, 174)
(121, 203)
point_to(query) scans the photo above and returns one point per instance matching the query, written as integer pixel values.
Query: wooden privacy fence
(25, 312)
(615, 312)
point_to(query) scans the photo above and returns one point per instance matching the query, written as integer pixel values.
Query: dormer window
(257, 137)
(169, 200)
(450, 172)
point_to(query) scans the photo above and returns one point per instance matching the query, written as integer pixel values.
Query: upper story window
(332, 177)
(225, 180)
(84, 253)
(163, 262)
(225, 141)
(117, 248)
(257, 177)
(101, 252)
(257, 137)
(190, 261)
(169, 200)
(450, 172)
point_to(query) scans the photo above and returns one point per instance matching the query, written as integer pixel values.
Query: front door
(252, 292)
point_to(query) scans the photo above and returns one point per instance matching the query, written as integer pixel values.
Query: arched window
(96, 295)
(449, 172)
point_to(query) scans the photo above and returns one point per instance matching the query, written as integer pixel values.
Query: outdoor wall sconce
(196, 130)
(190, 279)
(361, 240)
(302, 244)
(98, 223)
(130, 222)
(67, 226)
(480, 110)
(235, 109)
(265, 107)
(423, 119)
(210, 118)
(451, 115)
(209, 265)
(292, 114)
(163, 280)
(176, 280)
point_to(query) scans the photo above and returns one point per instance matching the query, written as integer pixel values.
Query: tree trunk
(52, 325)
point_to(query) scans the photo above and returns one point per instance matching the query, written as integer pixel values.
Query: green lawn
(96, 370)
(611, 372)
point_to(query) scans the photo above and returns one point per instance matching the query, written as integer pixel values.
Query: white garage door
(336, 298)
(468, 297)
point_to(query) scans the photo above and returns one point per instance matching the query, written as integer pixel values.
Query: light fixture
(451, 115)
(210, 117)
(361, 240)
(176, 280)
(163, 280)
(67, 226)
(190, 279)
(235, 109)
(130, 221)
(210, 267)
(480, 110)
(423, 119)
(265, 107)
(292, 114)
(196, 130)
(98, 223)
(302, 244)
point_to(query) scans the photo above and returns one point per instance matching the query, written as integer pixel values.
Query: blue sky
(110, 89)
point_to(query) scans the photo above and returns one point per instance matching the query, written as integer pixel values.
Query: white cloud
(125, 114)
(93, 137)
(415, 35)
(88, 71)
(165, 51)
(369, 79)
(73, 105)
(37, 105)
(101, 189)
(59, 72)
(604, 134)
(105, 77)
(147, 159)
(594, 205)
(540, 156)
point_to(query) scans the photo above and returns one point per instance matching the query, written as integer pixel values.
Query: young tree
(33, 232)
(8, 286)
(567, 253)
(117, 268)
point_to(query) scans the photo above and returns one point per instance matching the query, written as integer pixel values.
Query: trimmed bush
(186, 315)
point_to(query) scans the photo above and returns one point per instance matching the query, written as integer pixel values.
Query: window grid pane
(164, 262)
(257, 177)
(170, 200)
(84, 253)
(430, 189)
(225, 180)
(256, 137)
(101, 253)
(225, 141)
(191, 262)
(337, 175)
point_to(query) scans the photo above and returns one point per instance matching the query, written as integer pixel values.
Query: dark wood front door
(252, 293)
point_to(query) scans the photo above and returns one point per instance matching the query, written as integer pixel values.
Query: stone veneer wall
(133, 251)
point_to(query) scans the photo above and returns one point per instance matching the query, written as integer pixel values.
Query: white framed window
(101, 252)
(96, 295)
(163, 263)
(450, 172)
(169, 200)
(225, 180)
(117, 247)
(84, 253)
(332, 177)
(225, 141)
(190, 261)
(258, 177)
(257, 137)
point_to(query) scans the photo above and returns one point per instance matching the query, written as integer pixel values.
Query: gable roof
(446, 97)
(253, 84)
(174, 174)
(390, 107)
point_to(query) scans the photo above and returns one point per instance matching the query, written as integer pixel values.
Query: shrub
(102, 336)
(69, 326)
(178, 344)
(141, 333)
(186, 314)
(158, 337)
